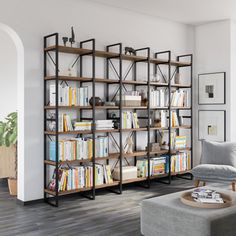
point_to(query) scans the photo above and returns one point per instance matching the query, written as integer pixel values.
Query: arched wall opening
(20, 105)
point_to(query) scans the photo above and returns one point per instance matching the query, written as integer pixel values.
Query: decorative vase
(98, 101)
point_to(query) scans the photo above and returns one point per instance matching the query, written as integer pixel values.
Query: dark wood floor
(109, 214)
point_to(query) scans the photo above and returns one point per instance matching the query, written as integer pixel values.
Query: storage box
(129, 100)
(128, 172)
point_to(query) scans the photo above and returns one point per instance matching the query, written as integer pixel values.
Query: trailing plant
(8, 130)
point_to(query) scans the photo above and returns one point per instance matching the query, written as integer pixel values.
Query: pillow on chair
(218, 153)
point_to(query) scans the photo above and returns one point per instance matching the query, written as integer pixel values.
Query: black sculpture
(65, 40)
(130, 51)
(72, 39)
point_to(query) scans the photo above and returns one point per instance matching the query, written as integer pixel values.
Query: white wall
(212, 54)
(233, 81)
(34, 19)
(8, 75)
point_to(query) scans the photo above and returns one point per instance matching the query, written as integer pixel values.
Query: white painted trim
(20, 107)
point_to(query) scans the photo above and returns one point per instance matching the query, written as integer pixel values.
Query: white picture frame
(211, 125)
(211, 88)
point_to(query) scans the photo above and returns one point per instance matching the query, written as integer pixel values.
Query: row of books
(129, 120)
(158, 98)
(158, 166)
(99, 125)
(175, 120)
(68, 96)
(78, 177)
(79, 149)
(180, 98)
(181, 162)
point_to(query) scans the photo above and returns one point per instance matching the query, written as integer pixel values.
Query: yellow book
(70, 96)
(62, 154)
(90, 149)
(65, 180)
(65, 123)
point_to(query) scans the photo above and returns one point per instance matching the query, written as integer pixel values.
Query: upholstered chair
(218, 163)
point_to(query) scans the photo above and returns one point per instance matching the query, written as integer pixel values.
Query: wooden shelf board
(159, 108)
(182, 127)
(101, 80)
(128, 181)
(61, 193)
(180, 108)
(82, 107)
(82, 79)
(180, 172)
(111, 156)
(180, 86)
(159, 176)
(105, 54)
(97, 131)
(174, 151)
(159, 84)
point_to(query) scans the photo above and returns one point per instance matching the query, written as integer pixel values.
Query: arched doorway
(11, 34)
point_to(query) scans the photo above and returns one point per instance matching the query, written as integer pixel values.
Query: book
(129, 120)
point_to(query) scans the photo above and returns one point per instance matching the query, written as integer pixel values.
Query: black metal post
(57, 116)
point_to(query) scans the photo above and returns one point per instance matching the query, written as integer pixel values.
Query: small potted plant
(8, 150)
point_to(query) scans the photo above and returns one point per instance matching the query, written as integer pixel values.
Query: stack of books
(129, 120)
(77, 177)
(104, 124)
(181, 162)
(180, 142)
(180, 98)
(79, 149)
(206, 196)
(83, 125)
(69, 96)
(158, 166)
(158, 98)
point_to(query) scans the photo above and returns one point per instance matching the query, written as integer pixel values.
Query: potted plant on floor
(8, 151)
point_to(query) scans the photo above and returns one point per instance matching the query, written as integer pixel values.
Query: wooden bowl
(187, 199)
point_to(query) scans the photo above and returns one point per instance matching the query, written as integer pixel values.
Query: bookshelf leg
(233, 187)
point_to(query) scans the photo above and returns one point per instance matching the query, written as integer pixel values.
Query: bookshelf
(145, 58)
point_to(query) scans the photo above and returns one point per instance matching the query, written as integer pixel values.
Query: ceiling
(192, 12)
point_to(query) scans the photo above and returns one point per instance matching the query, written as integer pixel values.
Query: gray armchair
(218, 163)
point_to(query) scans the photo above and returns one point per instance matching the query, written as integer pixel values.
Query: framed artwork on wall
(211, 125)
(211, 88)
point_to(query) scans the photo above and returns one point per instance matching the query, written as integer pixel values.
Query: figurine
(129, 145)
(72, 39)
(130, 51)
(65, 40)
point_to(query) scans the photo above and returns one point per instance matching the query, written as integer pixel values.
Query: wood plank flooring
(110, 214)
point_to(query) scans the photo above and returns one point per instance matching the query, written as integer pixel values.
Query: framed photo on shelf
(211, 88)
(211, 125)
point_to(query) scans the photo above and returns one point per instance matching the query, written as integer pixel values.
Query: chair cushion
(214, 172)
(218, 153)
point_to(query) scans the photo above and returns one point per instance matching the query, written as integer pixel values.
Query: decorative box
(128, 172)
(129, 100)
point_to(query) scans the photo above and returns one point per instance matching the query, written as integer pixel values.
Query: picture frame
(211, 88)
(211, 125)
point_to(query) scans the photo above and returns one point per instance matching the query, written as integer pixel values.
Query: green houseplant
(8, 151)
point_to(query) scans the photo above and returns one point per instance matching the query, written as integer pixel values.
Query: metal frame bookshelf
(52, 197)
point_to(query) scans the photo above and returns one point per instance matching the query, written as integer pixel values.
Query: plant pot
(12, 185)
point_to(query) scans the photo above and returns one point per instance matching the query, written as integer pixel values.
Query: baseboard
(32, 202)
